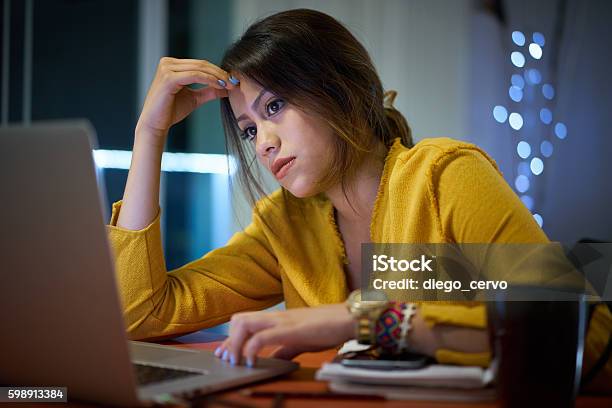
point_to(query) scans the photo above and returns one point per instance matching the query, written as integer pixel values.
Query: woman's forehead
(243, 97)
(247, 87)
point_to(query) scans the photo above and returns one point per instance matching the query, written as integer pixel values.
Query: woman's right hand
(170, 100)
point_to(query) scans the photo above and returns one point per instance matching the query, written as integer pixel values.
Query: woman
(302, 92)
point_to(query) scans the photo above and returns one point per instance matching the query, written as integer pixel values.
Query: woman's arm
(169, 100)
(242, 275)
(141, 196)
(318, 328)
(428, 339)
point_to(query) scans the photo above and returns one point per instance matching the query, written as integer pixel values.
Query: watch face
(374, 300)
(373, 296)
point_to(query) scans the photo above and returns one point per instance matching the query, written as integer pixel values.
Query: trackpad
(141, 351)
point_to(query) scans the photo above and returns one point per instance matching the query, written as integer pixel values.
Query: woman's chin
(300, 190)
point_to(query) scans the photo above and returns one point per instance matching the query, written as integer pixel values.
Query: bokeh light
(539, 219)
(538, 38)
(517, 59)
(533, 76)
(500, 113)
(515, 120)
(523, 168)
(535, 50)
(545, 115)
(523, 149)
(528, 201)
(515, 93)
(546, 148)
(548, 91)
(517, 81)
(561, 130)
(518, 38)
(537, 166)
(521, 183)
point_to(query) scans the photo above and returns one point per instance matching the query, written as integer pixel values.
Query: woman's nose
(267, 143)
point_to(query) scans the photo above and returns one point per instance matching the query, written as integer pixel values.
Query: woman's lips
(282, 172)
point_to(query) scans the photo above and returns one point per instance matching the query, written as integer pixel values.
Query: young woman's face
(294, 146)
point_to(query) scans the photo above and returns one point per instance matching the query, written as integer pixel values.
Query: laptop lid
(59, 305)
(58, 302)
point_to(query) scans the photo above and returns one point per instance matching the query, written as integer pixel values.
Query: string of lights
(530, 100)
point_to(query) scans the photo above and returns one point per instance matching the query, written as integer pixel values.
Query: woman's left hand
(295, 330)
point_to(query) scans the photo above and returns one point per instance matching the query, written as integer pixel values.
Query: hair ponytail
(396, 122)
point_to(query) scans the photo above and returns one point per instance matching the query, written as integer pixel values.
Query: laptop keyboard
(147, 374)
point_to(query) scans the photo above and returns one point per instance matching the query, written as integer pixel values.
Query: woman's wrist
(347, 322)
(141, 195)
(421, 338)
(150, 137)
(349, 327)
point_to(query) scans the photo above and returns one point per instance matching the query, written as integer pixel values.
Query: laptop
(59, 306)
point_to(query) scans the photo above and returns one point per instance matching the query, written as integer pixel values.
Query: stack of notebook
(434, 382)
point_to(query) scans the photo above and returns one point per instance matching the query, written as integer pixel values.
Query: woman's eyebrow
(253, 105)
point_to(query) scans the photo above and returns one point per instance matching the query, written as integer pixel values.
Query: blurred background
(528, 81)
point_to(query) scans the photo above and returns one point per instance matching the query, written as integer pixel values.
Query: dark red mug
(538, 344)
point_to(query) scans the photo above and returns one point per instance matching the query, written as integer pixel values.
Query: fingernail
(233, 80)
(249, 362)
(225, 355)
(221, 82)
(218, 351)
(233, 359)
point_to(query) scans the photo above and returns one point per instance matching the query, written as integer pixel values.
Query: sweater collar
(390, 159)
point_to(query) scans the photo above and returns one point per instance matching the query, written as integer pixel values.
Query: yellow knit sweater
(439, 191)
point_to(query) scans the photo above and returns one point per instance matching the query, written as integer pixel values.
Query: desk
(304, 379)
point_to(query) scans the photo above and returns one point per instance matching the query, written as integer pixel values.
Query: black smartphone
(406, 361)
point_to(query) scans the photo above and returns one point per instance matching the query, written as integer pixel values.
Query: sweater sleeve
(473, 204)
(476, 205)
(243, 275)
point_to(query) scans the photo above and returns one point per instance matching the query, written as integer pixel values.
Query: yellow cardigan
(438, 191)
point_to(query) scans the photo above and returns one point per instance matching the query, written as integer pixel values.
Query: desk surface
(303, 379)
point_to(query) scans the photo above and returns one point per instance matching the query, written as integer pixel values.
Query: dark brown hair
(313, 62)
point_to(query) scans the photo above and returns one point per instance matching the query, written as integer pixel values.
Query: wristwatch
(366, 313)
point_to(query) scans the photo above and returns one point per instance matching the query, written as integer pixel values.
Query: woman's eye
(271, 109)
(274, 106)
(249, 133)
